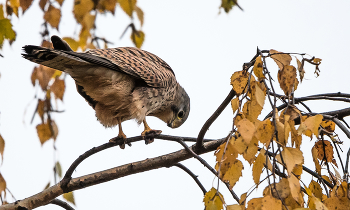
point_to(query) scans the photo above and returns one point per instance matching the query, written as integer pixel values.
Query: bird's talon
(149, 135)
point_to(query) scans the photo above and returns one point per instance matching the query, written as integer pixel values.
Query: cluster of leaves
(273, 144)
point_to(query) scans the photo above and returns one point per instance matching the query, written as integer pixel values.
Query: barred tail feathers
(55, 59)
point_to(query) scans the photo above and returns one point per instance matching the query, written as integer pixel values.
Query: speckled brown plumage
(119, 83)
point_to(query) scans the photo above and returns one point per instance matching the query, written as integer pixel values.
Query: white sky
(204, 49)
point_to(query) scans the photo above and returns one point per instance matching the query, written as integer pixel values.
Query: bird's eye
(180, 114)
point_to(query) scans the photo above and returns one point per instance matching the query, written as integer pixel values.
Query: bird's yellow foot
(121, 136)
(149, 135)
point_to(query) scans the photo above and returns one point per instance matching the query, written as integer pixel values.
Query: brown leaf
(295, 188)
(2, 147)
(139, 13)
(137, 37)
(227, 5)
(60, 2)
(41, 108)
(301, 69)
(107, 5)
(310, 125)
(239, 81)
(14, 4)
(337, 203)
(314, 153)
(322, 146)
(42, 4)
(128, 6)
(43, 74)
(58, 88)
(287, 78)
(2, 184)
(54, 130)
(53, 16)
(81, 8)
(316, 189)
(44, 132)
(47, 44)
(271, 203)
(328, 125)
(25, 4)
(280, 58)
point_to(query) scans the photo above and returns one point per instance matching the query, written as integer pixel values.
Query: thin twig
(207, 124)
(62, 204)
(194, 177)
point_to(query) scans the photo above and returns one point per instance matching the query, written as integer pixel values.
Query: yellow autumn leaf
(280, 58)
(286, 127)
(316, 189)
(88, 21)
(243, 199)
(259, 95)
(328, 125)
(255, 204)
(72, 43)
(280, 133)
(83, 38)
(311, 124)
(247, 129)
(295, 137)
(292, 157)
(295, 188)
(2, 147)
(14, 4)
(233, 174)
(238, 143)
(69, 197)
(258, 68)
(128, 6)
(282, 189)
(81, 8)
(239, 81)
(235, 207)
(227, 5)
(258, 165)
(252, 149)
(53, 16)
(265, 131)
(317, 204)
(137, 37)
(270, 203)
(225, 158)
(212, 200)
(6, 31)
(286, 78)
(44, 132)
(317, 60)
(235, 104)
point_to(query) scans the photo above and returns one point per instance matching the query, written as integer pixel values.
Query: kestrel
(119, 83)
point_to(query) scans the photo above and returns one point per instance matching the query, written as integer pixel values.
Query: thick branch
(54, 191)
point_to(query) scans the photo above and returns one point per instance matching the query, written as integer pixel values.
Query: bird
(120, 84)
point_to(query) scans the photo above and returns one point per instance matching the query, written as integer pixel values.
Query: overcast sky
(204, 49)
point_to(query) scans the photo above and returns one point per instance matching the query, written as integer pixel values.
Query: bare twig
(207, 124)
(194, 177)
(62, 204)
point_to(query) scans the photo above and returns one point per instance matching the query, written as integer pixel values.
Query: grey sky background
(204, 49)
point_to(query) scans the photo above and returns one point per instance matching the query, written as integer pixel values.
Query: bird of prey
(119, 83)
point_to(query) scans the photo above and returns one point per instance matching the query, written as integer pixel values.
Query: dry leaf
(2, 147)
(14, 5)
(81, 8)
(238, 143)
(316, 189)
(128, 6)
(295, 189)
(252, 149)
(225, 158)
(233, 174)
(292, 157)
(235, 207)
(328, 125)
(139, 13)
(280, 58)
(107, 5)
(265, 131)
(239, 81)
(58, 88)
(310, 125)
(300, 69)
(258, 165)
(2, 184)
(42, 4)
(246, 129)
(258, 68)
(53, 16)
(235, 104)
(271, 203)
(25, 4)
(287, 78)
(322, 146)
(212, 201)
(44, 132)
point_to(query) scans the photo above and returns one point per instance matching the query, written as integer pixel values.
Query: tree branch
(62, 204)
(46, 196)
(194, 177)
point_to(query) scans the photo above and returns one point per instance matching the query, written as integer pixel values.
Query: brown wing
(139, 63)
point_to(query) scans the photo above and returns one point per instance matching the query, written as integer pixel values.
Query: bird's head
(180, 108)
